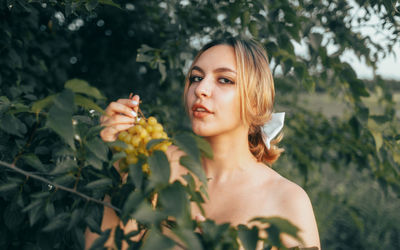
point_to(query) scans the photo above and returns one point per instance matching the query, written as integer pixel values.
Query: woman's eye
(193, 79)
(225, 81)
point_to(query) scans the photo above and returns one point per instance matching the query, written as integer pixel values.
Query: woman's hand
(120, 116)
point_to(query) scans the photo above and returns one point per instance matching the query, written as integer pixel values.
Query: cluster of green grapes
(136, 139)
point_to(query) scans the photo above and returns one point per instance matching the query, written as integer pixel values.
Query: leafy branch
(34, 176)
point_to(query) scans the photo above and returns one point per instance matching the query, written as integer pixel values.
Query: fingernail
(135, 103)
(133, 113)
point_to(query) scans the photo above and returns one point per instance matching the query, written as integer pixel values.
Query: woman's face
(212, 98)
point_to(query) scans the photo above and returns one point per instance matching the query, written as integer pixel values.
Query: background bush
(348, 163)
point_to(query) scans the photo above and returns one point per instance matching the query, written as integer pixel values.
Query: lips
(200, 111)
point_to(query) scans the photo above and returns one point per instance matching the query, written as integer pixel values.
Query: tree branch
(34, 176)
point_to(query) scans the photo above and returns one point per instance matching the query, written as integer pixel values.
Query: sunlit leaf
(83, 87)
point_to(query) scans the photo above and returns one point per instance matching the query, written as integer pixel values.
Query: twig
(34, 176)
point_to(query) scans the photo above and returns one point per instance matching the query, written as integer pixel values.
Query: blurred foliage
(348, 164)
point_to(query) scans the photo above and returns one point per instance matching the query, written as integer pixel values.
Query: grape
(136, 139)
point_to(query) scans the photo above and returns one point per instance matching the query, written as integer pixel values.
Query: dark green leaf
(194, 167)
(204, 147)
(33, 161)
(99, 184)
(49, 210)
(99, 242)
(76, 216)
(156, 240)
(136, 174)
(173, 200)
(188, 144)
(93, 225)
(12, 125)
(131, 204)
(56, 223)
(248, 237)
(64, 166)
(6, 187)
(98, 148)
(283, 225)
(159, 166)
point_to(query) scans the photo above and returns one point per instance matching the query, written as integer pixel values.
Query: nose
(204, 88)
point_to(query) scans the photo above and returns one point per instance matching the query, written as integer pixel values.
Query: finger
(200, 218)
(110, 133)
(118, 119)
(116, 108)
(133, 103)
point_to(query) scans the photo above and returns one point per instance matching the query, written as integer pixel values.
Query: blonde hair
(255, 86)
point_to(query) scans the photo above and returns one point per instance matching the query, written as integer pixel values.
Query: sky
(387, 68)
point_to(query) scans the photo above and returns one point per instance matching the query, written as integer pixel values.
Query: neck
(231, 156)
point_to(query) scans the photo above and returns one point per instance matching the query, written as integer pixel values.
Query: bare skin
(240, 188)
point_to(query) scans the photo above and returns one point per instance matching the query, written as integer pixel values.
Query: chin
(202, 130)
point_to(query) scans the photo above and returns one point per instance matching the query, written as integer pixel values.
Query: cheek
(189, 98)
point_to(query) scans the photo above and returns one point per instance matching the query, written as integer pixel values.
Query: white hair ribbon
(272, 128)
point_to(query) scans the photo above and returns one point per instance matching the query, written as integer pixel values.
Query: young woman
(229, 95)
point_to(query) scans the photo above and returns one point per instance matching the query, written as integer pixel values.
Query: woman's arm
(119, 116)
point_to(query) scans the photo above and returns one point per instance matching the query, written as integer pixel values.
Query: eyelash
(193, 79)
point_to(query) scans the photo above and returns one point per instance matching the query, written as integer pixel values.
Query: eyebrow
(218, 70)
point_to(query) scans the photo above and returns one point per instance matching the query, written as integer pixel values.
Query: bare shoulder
(292, 202)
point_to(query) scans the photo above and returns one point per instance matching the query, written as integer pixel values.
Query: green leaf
(156, 240)
(43, 103)
(282, 225)
(56, 223)
(147, 215)
(33, 161)
(93, 225)
(110, 2)
(76, 216)
(154, 142)
(98, 148)
(188, 144)
(136, 173)
(60, 117)
(194, 167)
(131, 204)
(13, 217)
(117, 156)
(87, 104)
(64, 166)
(99, 184)
(159, 166)
(83, 87)
(99, 242)
(8, 186)
(65, 180)
(248, 237)
(204, 146)
(49, 210)
(189, 237)
(173, 199)
(12, 125)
